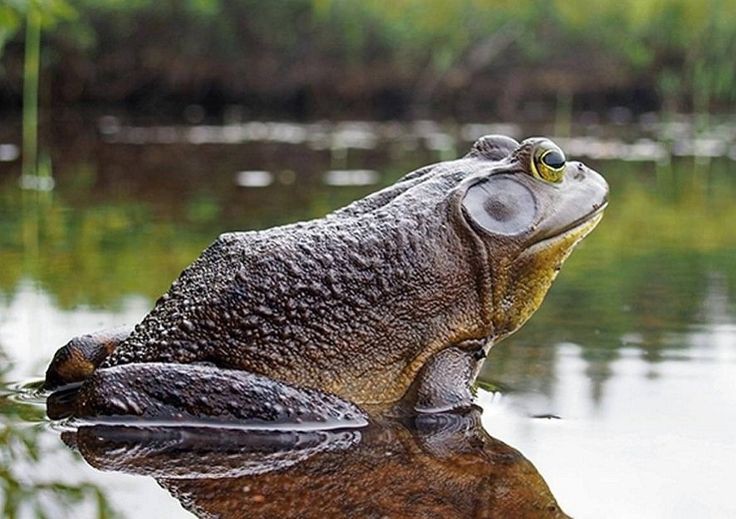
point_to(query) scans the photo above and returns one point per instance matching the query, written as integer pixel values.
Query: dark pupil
(554, 159)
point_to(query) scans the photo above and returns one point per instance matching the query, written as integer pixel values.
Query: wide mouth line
(575, 224)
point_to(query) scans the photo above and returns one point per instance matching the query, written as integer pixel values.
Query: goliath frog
(389, 303)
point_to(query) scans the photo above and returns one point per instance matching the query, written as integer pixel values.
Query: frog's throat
(521, 286)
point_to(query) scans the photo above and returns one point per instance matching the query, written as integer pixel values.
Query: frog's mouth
(577, 228)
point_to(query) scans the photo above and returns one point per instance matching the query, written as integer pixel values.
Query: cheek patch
(501, 205)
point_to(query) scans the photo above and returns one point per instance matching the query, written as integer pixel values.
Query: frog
(389, 304)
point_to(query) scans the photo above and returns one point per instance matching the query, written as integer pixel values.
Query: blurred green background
(329, 58)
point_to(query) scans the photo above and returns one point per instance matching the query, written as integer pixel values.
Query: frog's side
(396, 297)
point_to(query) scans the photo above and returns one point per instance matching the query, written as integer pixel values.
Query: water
(618, 398)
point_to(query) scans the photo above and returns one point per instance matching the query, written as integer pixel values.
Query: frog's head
(525, 207)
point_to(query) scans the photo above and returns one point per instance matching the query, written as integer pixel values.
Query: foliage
(680, 49)
(13, 12)
(688, 43)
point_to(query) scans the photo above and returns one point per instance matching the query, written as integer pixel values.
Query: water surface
(621, 390)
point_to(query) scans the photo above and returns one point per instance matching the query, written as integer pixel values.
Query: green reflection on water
(25, 488)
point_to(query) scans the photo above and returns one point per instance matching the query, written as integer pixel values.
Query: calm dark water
(618, 398)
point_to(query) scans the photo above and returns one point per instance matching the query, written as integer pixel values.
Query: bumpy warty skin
(353, 303)
(412, 283)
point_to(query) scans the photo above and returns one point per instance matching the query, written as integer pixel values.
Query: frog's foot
(202, 394)
(79, 358)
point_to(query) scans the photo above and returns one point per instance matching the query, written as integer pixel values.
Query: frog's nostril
(579, 173)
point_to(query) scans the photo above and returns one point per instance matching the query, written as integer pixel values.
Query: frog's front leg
(445, 380)
(188, 393)
(78, 359)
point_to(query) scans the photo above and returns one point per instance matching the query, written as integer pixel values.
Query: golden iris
(548, 164)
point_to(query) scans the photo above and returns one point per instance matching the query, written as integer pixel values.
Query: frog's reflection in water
(442, 466)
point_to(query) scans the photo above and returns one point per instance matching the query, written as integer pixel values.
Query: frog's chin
(538, 267)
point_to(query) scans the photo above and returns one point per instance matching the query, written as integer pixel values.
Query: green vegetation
(310, 57)
(30, 91)
(36, 13)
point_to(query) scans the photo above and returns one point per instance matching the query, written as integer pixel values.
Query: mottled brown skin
(442, 466)
(363, 303)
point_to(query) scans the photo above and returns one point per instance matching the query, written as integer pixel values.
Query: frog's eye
(548, 163)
